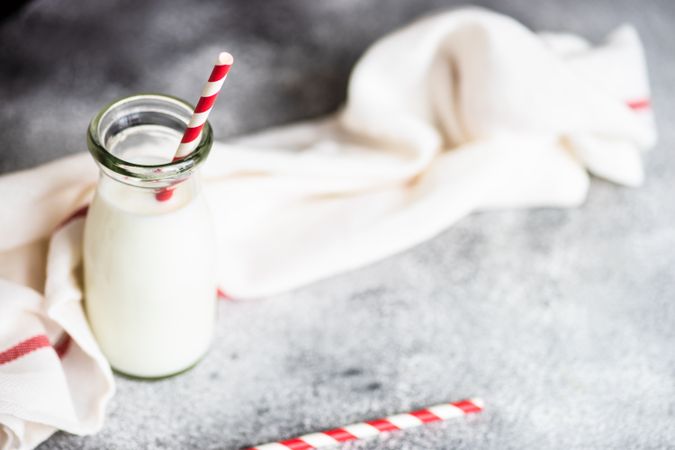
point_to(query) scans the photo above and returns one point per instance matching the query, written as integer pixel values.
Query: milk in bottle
(149, 264)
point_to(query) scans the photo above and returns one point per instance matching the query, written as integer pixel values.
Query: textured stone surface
(563, 321)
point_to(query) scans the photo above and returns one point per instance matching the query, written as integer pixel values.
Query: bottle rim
(147, 172)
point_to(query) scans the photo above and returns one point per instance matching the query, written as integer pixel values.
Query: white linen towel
(462, 111)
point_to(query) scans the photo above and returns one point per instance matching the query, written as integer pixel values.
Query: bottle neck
(141, 198)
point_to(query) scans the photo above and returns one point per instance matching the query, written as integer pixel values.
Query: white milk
(150, 287)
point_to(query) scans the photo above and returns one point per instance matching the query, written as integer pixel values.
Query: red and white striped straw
(193, 132)
(373, 428)
(204, 106)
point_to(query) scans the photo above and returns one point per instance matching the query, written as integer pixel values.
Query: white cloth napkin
(458, 112)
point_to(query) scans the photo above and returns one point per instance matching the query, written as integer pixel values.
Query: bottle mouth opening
(153, 122)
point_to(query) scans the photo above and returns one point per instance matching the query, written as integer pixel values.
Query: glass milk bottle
(149, 244)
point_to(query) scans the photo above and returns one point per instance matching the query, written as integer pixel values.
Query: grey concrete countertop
(562, 320)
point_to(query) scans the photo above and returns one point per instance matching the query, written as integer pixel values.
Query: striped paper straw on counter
(373, 428)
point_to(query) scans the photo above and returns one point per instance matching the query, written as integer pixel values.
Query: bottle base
(131, 376)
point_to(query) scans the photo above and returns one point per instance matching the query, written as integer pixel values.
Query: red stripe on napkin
(639, 104)
(62, 346)
(24, 347)
(222, 295)
(82, 212)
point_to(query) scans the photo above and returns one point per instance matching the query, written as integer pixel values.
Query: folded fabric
(462, 111)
